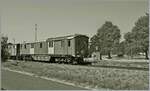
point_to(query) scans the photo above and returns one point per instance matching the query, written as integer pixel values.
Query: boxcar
(14, 50)
(40, 47)
(75, 45)
(25, 48)
(59, 48)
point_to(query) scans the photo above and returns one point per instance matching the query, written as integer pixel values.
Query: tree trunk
(146, 55)
(109, 55)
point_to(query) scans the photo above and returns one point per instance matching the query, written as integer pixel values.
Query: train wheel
(74, 62)
(30, 58)
(57, 60)
(52, 60)
(24, 58)
(69, 60)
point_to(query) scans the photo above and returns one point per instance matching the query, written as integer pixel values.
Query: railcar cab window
(51, 44)
(40, 45)
(69, 43)
(32, 45)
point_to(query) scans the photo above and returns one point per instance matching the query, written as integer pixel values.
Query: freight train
(66, 49)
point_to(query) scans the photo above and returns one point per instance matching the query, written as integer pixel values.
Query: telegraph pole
(14, 46)
(35, 32)
(14, 40)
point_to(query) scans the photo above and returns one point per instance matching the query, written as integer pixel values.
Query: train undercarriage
(67, 59)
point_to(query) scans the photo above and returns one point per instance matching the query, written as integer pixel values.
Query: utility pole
(14, 40)
(14, 46)
(35, 32)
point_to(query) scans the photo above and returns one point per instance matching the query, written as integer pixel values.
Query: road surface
(16, 81)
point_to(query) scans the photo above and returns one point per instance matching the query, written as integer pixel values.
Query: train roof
(66, 37)
(55, 38)
(12, 44)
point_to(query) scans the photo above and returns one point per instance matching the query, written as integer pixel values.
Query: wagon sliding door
(51, 47)
(32, 48)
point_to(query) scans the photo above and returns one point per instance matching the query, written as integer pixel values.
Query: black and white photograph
(74, 44)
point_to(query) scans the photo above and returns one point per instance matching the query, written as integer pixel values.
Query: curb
(46, 78)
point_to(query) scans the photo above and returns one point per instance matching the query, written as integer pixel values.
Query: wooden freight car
(25, 48)
(75, 45)
(33, 51)
(14, 50)
(62, 49)
(59, 49)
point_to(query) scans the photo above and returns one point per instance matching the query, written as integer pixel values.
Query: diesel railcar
(67, 49)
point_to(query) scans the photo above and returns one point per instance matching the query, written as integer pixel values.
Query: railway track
(121, 67)
(104, 66)
(114, 67)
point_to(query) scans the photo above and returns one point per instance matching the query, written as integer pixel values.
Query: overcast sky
(64, 17)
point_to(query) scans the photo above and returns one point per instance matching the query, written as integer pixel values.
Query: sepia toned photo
(74, 44)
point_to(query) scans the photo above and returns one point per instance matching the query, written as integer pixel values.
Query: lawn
(94, 77)
(122, 64)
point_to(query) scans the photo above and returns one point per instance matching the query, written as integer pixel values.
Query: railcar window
(51, 44)
(25, 46)
(40, 45)
(32, 45)
(69, 43)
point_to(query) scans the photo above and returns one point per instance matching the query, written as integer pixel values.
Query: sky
(56, 18)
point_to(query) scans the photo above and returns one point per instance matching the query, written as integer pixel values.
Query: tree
(95, 45)
(138, 39)
(4, 49)
(106, 39)
(109, 37)
(120, 49)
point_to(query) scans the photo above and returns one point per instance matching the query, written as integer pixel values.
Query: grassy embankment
(87, 76)
(144, 65)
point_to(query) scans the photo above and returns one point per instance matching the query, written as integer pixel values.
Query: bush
(4, 49)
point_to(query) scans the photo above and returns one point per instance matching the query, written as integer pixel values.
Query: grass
(122, 64)
(117, 79)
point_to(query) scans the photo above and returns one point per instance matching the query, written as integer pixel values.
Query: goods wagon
(14, 50)
(75, 45)
(59, 49)
(40, 47)
(25, 48)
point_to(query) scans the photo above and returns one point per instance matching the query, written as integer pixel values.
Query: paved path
(16, 81)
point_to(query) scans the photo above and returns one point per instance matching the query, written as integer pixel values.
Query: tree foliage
(138, 39)
(94, 43)
(120, 49)
(4, 49)
(106, 39)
